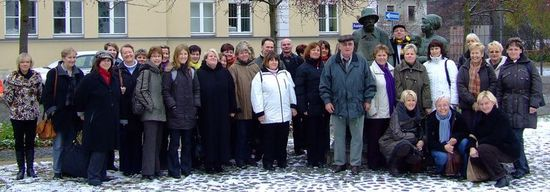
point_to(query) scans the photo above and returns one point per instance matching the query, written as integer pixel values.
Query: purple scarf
(390, 86)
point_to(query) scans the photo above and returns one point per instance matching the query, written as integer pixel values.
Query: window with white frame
(112, 16)
(67, 17)
(202, 17)
(328, 17)
(239, 17)
(12, 13)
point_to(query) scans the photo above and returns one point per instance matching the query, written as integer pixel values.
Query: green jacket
(414, 78)
(347, 90)
(149, 90)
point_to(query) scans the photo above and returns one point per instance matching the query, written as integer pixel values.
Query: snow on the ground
(296, 178)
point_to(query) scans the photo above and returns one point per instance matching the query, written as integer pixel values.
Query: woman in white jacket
(378, 116)
(442, 73)
(274, 103)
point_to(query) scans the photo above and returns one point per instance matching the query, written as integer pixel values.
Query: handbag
(75, 159)
(44, 127)
(475, 173)
(453, 164)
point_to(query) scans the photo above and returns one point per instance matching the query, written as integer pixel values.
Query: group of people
(234, 105)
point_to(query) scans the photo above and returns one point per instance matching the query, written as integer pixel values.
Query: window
(202, 17)
(390, 8)
(239, 17)
(67, 17)
(412, 13)
(112, 17)
(328, 18)
(13, 13)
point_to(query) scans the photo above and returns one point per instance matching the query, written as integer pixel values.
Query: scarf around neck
(105, 75)
(475, 82)
(408, 120)
(390, 85)
(444, 126)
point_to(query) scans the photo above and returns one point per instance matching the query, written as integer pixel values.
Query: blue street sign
(356, 26)
(392, 16)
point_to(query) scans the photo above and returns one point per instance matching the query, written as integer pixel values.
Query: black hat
(398, 26)
(345, 38)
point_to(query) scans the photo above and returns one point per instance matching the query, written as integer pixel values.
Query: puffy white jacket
(379, 106)
(273, 95)
(438, 79)
(502, 61)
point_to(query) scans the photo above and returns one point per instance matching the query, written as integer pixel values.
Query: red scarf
(229, 61)
(106, 75)
(324, 58)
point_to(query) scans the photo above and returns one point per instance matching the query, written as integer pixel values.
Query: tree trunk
(24, 27)
(273, 22)
(467, 20)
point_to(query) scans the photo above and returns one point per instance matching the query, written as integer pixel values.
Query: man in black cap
(398, 42)
(369, 36)
(347, 88)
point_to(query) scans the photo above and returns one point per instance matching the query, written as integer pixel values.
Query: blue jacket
(347, 91)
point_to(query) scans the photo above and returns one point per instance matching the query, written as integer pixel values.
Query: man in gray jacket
(346, 88)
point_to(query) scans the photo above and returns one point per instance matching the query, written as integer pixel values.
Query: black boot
(19, 155)
(29, 157)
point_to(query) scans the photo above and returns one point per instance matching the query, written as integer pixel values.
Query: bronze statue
(430, 23)
(369, 36)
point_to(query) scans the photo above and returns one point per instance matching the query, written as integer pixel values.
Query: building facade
(88, 24)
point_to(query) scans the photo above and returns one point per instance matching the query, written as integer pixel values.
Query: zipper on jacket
(280, 96)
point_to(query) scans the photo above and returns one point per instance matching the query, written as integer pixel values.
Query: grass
(8, 142)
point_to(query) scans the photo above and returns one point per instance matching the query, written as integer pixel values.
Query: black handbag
(74, 160)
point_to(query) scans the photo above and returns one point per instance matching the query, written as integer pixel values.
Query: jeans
(183, 163)
(356, 145)
(61, 140)
(440, 157)
(521, 164)
(96, 167)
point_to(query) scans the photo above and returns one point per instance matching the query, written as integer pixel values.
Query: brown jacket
(22, 95)
(414, 78)
(242, 74)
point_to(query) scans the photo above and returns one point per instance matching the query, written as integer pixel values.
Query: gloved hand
(51, 111)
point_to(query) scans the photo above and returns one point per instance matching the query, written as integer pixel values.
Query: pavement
(297, 177)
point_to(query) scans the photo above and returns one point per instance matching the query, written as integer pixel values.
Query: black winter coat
(459, 130)
(308, 77)
(100, 104)
(519, 87)
(181, 95)
(65, 116)
(129, 81)
(488, 82)
(291, 63)
(217, 92)
(494, 129)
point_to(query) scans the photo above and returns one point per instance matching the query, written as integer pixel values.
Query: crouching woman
(496, 142)
(402, 142)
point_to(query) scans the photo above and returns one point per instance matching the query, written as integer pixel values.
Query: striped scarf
(474, 85)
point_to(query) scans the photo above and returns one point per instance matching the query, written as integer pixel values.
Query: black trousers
(299, 132)
(152, 135)
(373, 130)
(96, 167)
(24, 132)
(491, 158)
(275, 138)
(182, 162)
(164, 147)
(130, 146)
(318, 139)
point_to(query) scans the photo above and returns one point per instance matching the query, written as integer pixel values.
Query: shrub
(8, 142)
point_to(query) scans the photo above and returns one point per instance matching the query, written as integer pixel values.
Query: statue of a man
(430, 23)
(369, 36)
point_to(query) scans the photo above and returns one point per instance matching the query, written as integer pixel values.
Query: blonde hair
(410, 46)
(476, 46)
(175, 61)
(408, 93)
(65, 52)
(495, 44)
(22, 57)
(488, 95)
(210, 51)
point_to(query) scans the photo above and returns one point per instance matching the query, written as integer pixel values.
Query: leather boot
(19, 155)
(29, 157)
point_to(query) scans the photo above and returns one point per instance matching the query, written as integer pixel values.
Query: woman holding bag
(22, 94)
(58, 100)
